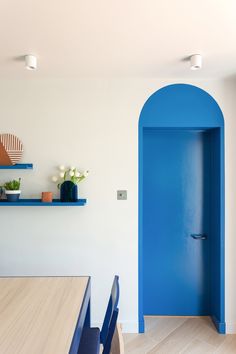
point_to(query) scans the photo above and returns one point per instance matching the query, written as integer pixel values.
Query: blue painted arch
(183, 106)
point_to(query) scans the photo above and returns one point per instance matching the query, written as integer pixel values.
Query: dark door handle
(199, 236)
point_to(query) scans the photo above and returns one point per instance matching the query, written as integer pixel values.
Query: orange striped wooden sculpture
(11, 149)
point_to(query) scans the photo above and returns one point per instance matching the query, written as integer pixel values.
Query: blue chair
(92, 337)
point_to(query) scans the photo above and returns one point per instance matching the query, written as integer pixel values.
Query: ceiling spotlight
(195, 62)
(31, 62)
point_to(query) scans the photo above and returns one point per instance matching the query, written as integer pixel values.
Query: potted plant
(68, 181)
(12, 190)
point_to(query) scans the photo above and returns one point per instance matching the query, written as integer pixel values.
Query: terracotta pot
(47, 197)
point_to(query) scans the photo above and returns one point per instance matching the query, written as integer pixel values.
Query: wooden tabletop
(38, 315)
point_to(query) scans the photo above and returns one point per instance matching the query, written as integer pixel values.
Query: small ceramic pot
(12, 196)
(47, 197)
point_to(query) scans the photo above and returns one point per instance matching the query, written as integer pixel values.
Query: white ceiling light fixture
(30, 62)
(195, 62)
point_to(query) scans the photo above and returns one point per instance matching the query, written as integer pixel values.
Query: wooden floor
(174, 335)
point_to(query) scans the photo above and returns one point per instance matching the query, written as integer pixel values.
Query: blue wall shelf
(38, 202)
(18, 166)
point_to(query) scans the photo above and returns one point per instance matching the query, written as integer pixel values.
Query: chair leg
(117, 344)
(107, 345)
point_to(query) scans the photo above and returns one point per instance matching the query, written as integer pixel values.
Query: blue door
(176, 222)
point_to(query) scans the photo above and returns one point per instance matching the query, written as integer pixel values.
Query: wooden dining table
(43, 315)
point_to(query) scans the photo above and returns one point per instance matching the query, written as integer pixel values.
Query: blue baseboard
(141, 326)
(220, 326)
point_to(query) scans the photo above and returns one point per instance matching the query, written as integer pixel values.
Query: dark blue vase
(68, 192)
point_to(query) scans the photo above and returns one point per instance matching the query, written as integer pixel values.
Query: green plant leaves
(13, 185)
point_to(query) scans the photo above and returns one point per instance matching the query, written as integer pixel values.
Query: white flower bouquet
(69, 174)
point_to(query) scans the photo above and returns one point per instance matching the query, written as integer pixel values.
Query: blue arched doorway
(181, 205)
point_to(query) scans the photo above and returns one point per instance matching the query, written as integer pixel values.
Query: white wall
(91, 124)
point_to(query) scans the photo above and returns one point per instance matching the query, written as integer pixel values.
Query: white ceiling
(118, 38)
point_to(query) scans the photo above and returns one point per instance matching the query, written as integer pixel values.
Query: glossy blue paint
(18, 166)
(184, 125)
(38, 202)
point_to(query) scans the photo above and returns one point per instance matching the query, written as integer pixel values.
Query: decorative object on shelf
(68, 192)
(68, 181)
(11, 149)
(47, 197)
(12, 190)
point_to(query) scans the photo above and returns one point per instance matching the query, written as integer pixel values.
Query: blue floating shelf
(38, 202)
(18, 166)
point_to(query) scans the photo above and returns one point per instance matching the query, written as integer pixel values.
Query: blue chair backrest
(111, 315)
(107, 344)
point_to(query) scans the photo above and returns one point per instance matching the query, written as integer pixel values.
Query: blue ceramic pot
(68, 192)
(12, 196)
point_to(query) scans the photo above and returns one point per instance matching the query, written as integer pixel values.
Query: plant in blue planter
(68, 181)
(12, 190)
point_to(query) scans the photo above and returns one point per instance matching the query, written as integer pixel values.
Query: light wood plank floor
(175, 335)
